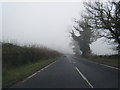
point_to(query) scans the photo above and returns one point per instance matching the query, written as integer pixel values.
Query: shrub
(15, 55)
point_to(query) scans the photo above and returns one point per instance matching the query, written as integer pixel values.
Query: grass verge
(13, 75)
(111, 62)
(115, 62)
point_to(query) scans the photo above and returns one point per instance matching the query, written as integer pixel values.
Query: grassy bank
(112, 60)
(13, 75)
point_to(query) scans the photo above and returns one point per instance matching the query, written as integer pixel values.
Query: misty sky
(44, 23)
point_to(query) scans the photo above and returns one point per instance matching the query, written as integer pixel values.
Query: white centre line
(84, 77)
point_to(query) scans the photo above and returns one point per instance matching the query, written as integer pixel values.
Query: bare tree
(105, 17)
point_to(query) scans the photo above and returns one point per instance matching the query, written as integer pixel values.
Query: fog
(44, 23)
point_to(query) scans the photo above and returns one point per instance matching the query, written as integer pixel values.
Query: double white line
(84, 77)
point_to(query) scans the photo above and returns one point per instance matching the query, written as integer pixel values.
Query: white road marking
(32, 75)
(84, 77)
(24, 80)
(110, 66)
(37, 72)
(48, 66)
(29, 77)
(102, 64)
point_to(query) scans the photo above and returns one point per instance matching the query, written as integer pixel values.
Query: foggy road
(69, 72)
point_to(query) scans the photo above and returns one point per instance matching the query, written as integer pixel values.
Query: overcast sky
(44, 23)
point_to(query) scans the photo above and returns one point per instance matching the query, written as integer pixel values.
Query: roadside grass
(112, 60)
(12, 75)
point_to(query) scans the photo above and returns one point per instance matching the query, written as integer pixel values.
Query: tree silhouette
(85, 36)
(106, 17)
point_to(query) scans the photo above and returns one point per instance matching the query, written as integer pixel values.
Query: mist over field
(44, 23)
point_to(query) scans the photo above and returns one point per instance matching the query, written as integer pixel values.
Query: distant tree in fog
(75, 47)
(85, 37)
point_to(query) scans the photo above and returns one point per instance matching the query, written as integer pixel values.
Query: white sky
(44, 23)
(0, 22)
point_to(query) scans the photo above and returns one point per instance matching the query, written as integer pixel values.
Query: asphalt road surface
(70, 72)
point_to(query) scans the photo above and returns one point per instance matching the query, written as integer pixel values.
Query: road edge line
(110, 66)
(37, 72)
(101, 64)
